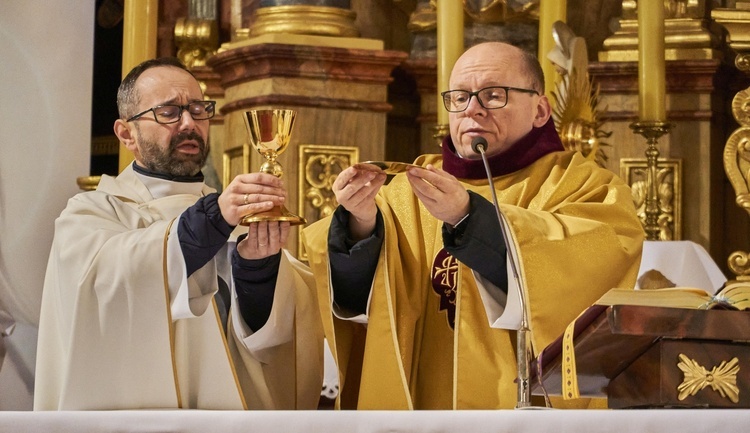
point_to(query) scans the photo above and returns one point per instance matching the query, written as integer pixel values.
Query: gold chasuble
(108, 335)
(577, 235)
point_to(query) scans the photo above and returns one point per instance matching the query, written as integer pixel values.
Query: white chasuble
(122, 327)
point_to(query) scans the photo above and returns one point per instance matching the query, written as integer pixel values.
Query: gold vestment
(577, 235)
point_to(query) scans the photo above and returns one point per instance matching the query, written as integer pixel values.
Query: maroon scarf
(537, 143)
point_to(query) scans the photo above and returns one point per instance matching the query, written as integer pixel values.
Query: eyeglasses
(169, 113)
(490, 98)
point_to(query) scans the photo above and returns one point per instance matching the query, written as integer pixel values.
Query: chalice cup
(269, 132)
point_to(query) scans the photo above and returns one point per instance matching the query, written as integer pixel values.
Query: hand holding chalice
(270, 132)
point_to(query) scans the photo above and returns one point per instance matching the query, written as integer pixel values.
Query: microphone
(479, 145)
(523, 344)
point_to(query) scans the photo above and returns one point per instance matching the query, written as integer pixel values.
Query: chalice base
(278, 213)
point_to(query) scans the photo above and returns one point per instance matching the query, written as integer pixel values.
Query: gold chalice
(270, 132)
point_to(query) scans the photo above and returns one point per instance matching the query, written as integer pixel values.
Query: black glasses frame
(447, 99)
(209, 105)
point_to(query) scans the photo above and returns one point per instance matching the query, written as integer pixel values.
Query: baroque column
(311, 17)
(305, 56)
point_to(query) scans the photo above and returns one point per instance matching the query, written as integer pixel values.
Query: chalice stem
(270, 132)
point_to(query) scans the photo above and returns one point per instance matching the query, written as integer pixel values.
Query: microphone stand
(523, 343)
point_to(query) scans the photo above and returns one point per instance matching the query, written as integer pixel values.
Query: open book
(733, 297)
(609, 336)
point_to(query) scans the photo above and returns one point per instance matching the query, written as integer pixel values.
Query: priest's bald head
(497, 93)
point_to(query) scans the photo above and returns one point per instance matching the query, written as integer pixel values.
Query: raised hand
(264, 238)
(441, 193)
(250, 193)
(355, 189)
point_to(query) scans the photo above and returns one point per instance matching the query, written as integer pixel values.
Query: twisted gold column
(737, 150)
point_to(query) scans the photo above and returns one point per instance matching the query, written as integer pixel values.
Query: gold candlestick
(652, 131)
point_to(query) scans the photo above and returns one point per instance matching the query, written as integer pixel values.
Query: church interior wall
(46, 47)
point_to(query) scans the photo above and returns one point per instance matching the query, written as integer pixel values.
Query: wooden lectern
(639, 357)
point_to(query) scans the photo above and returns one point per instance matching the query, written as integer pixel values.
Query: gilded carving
(739, 264)
(424, 17)
(439, 132)
(304, 20)
(576, 99)
(686, 33)
(742, 62)
(318, 167)
(741, 107)
(88, 183)
(196, 40)
(722, 379)
(736, 156)
(236, 161)
(669, 192)
(737, 165)
(737, 150)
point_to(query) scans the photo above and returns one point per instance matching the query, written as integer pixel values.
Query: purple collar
(537, 143)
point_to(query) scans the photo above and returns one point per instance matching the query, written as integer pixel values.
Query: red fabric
(537, 143)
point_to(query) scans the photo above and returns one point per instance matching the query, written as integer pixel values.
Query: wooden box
(640, 356)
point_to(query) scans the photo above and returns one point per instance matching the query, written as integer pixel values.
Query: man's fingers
(344, 178)
(254, 208)
(425, 190)
(252, 199)
(431, 177)
(259, 179)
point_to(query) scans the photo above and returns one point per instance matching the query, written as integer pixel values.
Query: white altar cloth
(499, 421)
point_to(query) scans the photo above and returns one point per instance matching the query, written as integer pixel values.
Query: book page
(677, 297)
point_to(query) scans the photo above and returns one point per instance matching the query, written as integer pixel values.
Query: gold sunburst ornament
(576, 100)
(722, 379)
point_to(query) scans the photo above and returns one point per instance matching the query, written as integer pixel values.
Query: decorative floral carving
(722, 379)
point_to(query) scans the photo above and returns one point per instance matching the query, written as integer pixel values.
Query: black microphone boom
(523, 346)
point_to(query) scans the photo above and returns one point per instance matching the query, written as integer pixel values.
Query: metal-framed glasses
(172, 113)
(490, 98)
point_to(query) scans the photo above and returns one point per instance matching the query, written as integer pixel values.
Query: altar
(526, 420)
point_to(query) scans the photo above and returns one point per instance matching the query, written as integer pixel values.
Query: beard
(169, 160)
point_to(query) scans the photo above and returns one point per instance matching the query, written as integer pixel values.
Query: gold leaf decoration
(722, 379)
(575, 98)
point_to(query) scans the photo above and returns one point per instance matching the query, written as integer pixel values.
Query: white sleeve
(503, 310)
(190, 297)
(279, 327)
